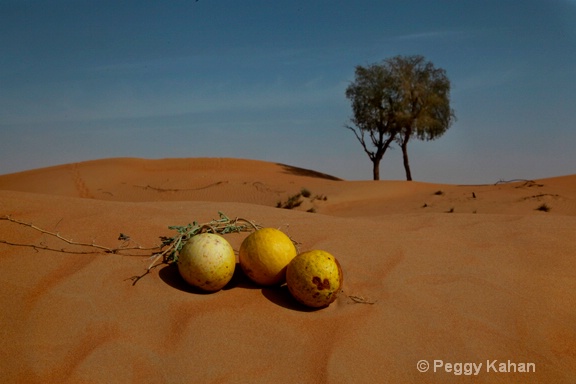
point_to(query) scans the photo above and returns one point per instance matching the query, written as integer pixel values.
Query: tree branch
(361, 140)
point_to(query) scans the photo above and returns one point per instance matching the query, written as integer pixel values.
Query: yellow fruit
(314, 278)
(207, 261)
(265, 254)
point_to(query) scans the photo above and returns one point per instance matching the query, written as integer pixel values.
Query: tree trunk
(405, 158)
(376, 168)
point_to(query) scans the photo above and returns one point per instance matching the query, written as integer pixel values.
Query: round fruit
(207, 261)
(264, 255)
(314, 278)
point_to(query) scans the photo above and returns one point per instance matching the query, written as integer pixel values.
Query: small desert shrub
(292, 202)
(296, 200)
(543, 207)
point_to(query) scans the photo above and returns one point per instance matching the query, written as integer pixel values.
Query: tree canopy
(401, 98)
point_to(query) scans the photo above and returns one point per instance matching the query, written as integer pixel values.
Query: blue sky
(261, 79)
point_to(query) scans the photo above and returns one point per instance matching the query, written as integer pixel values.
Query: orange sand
(462, 274)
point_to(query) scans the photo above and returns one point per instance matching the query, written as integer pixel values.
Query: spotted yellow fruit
(264, 255)
(314, 278)
(207, 261)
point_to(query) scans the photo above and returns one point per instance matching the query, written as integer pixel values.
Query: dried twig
(360, 300)
(57, 235)
(44, 247)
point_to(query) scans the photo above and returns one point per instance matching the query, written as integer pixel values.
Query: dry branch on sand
(122, 249)
(167, 251)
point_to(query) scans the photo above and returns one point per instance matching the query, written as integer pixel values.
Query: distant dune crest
(276, 184)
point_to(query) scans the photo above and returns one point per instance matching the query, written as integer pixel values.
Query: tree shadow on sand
(306, 172)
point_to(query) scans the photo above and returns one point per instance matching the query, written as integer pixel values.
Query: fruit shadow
(281, 296)
(170, 275)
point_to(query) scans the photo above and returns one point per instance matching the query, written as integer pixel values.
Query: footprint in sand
(79, 183)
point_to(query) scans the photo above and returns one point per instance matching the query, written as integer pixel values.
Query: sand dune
(263, 183)
(461, 274)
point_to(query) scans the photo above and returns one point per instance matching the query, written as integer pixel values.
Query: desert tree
(401, 98)
(421, 103)
(369, 95)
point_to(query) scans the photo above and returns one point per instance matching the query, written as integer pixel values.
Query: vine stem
(167, 251)
(70, 241)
